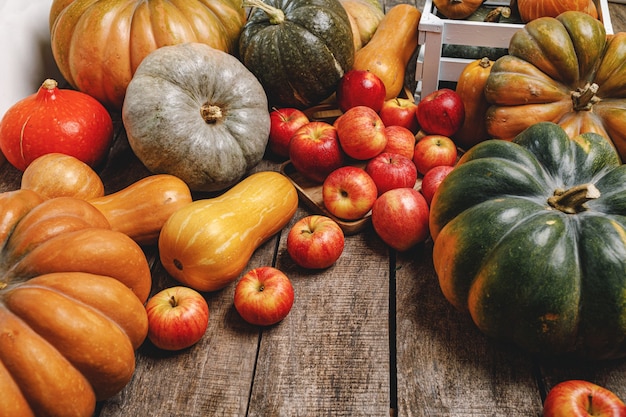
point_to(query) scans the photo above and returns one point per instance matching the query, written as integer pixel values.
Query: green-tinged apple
(432, 179)
(283, 124)
(400, 112)
(315, 151)
(400, 140)
(360, 88)
(264, 296)
(315, 242)
(441, 112)
(400, 218)
(391, 170)
(580, 398)
(177, 318)
(349, 192)
(361, 133)
(432, 151)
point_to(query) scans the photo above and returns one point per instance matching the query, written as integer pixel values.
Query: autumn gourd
(457, 9)
(71, 306)
(364, 17)
(197, 113)
(529, 241)
(98, 45)
(298, 49)
(207, 244)
(534, 9)
(389, 51)
(566, 70)
(470, 87)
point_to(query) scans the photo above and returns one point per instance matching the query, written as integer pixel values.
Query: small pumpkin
(71, 306)
(208, 243)
(98, 45)
(298, 49)
(534, 9)
(565, 70)
(197, 113)
(529, 240)
(389, 51)
(457, 9)
(364, 16)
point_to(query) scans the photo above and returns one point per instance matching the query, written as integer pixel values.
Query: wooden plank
(446, 367)
(330, 356)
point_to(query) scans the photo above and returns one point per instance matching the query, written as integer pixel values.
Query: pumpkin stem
(584, 98)
(210, 113)
(573, 200)
(277, 16)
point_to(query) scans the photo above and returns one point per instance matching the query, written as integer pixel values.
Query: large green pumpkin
(530, 239)
(298, 49)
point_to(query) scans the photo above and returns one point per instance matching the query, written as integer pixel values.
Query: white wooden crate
(434, 32)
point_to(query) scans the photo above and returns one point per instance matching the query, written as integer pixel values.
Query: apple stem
(173, 301)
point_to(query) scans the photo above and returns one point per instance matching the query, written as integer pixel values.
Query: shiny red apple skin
(349, 192)
(315, 151)
(264, 296)
(390, 170)
(284, 123)
(580, 398)
(360, 88)
(400, 112)
(177, 318)
(315, 242)
(400, 140)
(432, 180)
(434, 150)
(441, 112)
(361, 133)
(400, 218)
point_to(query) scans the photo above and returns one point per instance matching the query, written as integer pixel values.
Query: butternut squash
(207, 244)
(471, 89)
(389, 51)
(141, 209)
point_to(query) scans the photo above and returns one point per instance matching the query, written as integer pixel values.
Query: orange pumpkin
(457, 9)
(564, 70)
(71, 306)
(534, 9)
(97, 45)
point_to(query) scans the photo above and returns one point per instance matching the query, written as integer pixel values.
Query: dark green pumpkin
(298, 49)
(530, 239)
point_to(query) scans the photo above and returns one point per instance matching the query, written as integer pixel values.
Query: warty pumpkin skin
(298, 49)
(197, 113)
(529, 240)
(564, 70)
(71, 306)
(98, 45)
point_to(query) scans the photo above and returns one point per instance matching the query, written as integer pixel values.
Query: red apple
(361, 133)
(578, 398)
(177, 318)
(349, 192)
(264, 296)
(315, 151)
(315, 242)
(390, 170)
(400, 112)
(441, 112)
(434, 150)
(400, 140)
(283, 124)
(360, 88)
(400, 218)
(432, 179)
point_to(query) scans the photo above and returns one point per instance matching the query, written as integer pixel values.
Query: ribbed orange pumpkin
(97, 45)
(71, 306)
(534, 9)
(457, 9)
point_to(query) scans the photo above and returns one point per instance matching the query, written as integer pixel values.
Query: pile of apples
(371, 157)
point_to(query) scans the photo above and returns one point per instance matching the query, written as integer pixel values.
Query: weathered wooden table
(370, 336)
